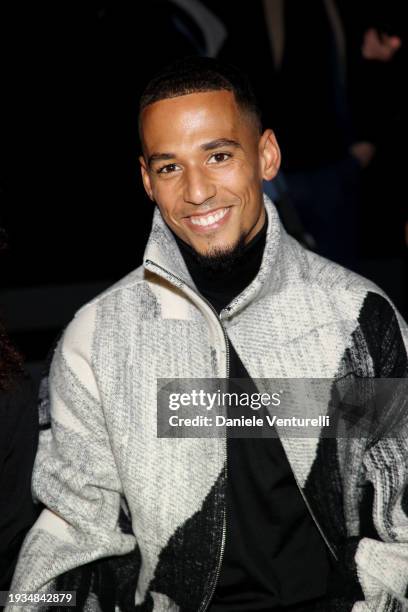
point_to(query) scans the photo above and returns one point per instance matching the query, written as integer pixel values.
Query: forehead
(206, 115)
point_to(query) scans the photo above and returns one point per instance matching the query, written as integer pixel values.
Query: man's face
(203, 164)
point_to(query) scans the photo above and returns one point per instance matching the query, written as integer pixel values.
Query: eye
(219, 157)
(167, 169)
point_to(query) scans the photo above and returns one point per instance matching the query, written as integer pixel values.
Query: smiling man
(204, 160)
(137, 522)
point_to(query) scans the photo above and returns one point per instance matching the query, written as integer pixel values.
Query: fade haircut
(198, 75)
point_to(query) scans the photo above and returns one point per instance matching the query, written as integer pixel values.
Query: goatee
(219, 260)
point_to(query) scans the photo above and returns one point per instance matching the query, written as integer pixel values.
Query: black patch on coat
(186, 566)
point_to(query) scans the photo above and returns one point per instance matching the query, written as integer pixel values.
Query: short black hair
(197, 75)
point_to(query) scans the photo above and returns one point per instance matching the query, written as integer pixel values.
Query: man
(210, 523)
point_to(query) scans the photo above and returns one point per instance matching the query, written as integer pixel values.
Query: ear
(269, 155)
(146, 177)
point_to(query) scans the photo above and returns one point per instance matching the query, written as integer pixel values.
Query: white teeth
(210, 219)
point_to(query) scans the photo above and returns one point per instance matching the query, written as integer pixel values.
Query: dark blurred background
(329, 76)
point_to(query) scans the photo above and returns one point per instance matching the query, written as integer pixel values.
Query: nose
(198, 188)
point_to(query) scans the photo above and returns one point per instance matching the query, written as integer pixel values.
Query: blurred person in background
(384, 215)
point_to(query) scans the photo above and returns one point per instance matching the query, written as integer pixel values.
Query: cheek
(240, 176)
(243, 183)
(166, 198)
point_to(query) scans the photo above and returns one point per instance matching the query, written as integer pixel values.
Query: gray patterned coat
(135, 522)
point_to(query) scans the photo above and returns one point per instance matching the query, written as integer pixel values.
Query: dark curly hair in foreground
(11, 362)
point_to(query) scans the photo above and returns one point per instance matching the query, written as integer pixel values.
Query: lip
(204, 229)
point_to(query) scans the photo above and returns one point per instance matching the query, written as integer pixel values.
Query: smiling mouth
(208, 220)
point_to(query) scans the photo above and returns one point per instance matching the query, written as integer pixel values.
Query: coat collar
(162, 251)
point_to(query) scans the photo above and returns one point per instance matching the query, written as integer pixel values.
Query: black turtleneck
(221, 288)
(274, 557)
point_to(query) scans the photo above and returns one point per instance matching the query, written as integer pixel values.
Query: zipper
(312, 514)
(206, 602)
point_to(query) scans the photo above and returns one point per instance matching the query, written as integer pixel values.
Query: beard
(220, 260)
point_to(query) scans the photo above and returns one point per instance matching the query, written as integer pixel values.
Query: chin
(215, 248)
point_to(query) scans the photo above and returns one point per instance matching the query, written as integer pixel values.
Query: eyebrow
(159, 157)
(207, 146)
(220, 142)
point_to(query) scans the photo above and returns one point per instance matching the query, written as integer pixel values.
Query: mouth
(208, 221)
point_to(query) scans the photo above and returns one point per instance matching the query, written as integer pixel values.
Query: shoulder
(114, 301)
(97, 327)
(349, 292)
(338, 294)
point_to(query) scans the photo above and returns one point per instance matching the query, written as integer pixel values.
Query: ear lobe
(146, 178)
(269, 154)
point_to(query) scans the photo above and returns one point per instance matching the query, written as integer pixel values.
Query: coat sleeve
(382, 564)
(74, 475)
